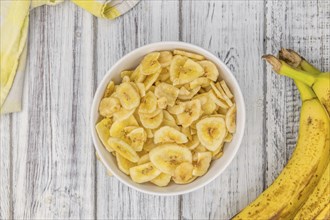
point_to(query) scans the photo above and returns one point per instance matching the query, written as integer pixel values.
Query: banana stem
(305, 65)
(292, 59)
(306, 93)
(295, 60)
(284, 69)
(309, 67)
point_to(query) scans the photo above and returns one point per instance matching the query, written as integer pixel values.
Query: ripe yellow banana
(291, 189)
(318, 202)
(320, 83)
(325, 213)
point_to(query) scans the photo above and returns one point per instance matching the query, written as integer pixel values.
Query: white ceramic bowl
(130, 61)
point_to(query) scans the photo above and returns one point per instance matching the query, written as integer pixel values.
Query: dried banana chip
(141, 89)
(231, 119)
(144, 173)
(191, 93)
(189, 54)
(210, 70)
(183, 173)
(128, 96)
(150, 64)
(162, 180)
(202, 164)
(137, 75)
(167, 134)
(110, 89)
(126, 73)
(201, 81)
(164, 75)
(103, 131)
(183, 70)
(162, 103)
(168, 157)
(192, 111)
(144, 159)
(108, 106)
(126, 79)
(152, 121)
(168, 91)
(148, 103)
(224, 96)
(226, 89)
(165, 58)
(124, 164)
(149, 80)
(211, 132)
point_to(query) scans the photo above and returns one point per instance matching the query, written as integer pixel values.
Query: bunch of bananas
(302, 190)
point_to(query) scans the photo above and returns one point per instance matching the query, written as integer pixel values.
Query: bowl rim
(155, 45)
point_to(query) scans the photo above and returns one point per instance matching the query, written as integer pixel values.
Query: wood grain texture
(224, 28)
(53, 161)
(5, 167)
(149, 21)
(48, 168)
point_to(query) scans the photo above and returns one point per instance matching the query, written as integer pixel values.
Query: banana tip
(272, 60)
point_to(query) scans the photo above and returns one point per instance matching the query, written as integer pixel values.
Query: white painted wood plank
(5, 167)
(53, 160)
(304, 27)
(149, 21)
(233, 30)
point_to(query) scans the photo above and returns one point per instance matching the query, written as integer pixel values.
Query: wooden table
(48, 167)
